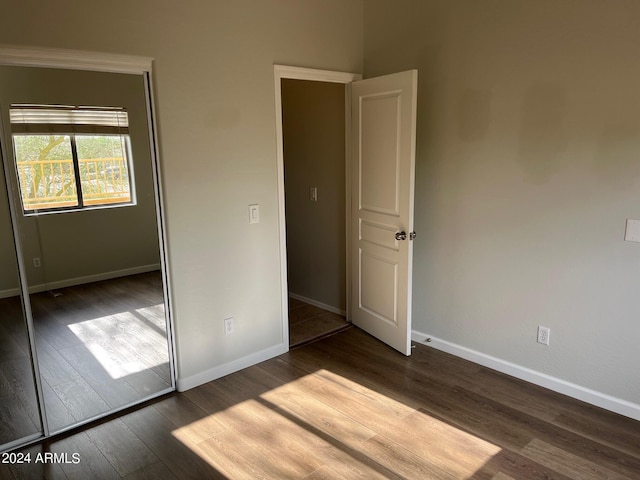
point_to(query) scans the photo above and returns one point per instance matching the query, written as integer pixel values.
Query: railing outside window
(47, 184)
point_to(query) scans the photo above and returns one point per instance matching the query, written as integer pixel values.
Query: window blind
(48, 119)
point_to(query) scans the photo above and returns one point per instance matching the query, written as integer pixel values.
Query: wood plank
(315, 327)
(306, 408)
(230, 457)
(157, 433)
(124, 450)
(275, 438)
(604, 427)
(308, 322)
(16, 421)
(192, 424)
(403, 463)
(58, 415)
(115, 392)
(54, 367)
(441, 443)
(33, 469)
(92, 462)
(304, 311)
(18, 375)
(155, 471)
(569, 464)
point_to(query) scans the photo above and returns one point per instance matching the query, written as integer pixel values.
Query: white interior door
(382, 176)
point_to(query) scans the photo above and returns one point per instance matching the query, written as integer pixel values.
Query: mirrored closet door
(82, 176)
(19, 409)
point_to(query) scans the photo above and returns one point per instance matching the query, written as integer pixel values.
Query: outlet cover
(228, 325)
(543, 335)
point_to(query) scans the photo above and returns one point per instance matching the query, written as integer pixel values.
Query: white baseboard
(599, 399)
(70, 282)
(318, 304)
(10, 292)
(183, 384)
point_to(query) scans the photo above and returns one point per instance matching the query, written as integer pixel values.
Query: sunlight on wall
(305, 426)
(128, 342)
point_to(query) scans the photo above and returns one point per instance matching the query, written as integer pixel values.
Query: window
(71, 157)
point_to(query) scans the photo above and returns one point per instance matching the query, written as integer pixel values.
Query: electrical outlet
(36, 262)
(228, 325)
(543, 335)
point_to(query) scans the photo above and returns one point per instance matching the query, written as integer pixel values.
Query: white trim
(9, 292)
(73, 59)
(318, 304)
(297, 73)
(161, 222)
(347, 199)
(201, 378)
(70, 282)
(22, 273)
(593, 397)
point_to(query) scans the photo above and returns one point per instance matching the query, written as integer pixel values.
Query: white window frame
(42, 120)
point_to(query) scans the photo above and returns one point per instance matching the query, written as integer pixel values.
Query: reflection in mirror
(19, 413)
(84, 182)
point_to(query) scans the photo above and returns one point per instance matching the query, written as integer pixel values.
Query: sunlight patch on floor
(125, 343)
(154, 315)
(307, 425)
(450, 448)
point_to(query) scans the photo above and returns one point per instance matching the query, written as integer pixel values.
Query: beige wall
(314, 156)
(528, 164)
(214, 86)
(96, 242)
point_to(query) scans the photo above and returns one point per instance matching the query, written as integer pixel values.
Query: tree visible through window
(70, 158)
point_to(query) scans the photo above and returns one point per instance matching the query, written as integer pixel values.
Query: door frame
(328, 76)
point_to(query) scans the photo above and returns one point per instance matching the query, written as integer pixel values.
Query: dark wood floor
(349, 407)
(18, 402)
(308, 322)
(100, 346)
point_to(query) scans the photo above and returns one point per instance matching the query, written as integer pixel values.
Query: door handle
(401, 235)
(412, 235)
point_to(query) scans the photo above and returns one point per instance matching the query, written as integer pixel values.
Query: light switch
(254, 213)
(632, 233)
(313, 194)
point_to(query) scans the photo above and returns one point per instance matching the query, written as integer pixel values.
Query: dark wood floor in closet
(100, 347)
(348, 406)
(308, 322)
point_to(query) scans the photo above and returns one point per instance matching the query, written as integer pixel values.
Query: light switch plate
(632, 233)
(254, 213)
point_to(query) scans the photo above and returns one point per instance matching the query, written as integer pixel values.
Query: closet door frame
(11, 55)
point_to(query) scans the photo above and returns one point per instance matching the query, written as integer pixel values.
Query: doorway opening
(380, 133)
(312, 119)
(313, 129)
